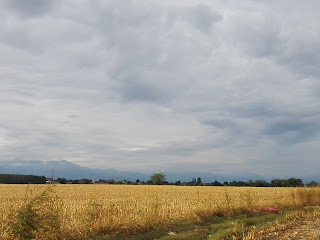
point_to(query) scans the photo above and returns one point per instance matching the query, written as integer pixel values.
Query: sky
(155, 85)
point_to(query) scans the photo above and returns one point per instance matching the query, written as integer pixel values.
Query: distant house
(82, 181)
(99, 182)
(110, 181)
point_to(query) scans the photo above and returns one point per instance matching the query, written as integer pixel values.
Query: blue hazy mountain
(68, 170)
(64, 169)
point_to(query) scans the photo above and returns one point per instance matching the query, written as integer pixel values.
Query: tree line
(156, 179)
(22, 179)
(160, 179)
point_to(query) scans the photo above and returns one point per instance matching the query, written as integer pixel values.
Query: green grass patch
(214, 227)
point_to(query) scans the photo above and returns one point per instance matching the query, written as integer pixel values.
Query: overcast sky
(156, 85)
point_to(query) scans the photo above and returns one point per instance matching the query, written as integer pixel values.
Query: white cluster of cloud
(154, 85)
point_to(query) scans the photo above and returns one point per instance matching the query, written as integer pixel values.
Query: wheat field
(84, 210)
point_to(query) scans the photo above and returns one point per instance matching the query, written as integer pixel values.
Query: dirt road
(301, 230)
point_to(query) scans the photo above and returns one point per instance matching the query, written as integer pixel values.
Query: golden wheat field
(81, 210)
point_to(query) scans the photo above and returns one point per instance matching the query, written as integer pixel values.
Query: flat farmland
(87, 210)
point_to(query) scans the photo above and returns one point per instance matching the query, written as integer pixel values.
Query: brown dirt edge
(305, 225)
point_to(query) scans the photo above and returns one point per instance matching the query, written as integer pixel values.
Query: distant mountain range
(68, 170)
(64, 169)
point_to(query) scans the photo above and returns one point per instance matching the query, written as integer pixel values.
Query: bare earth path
(302, 230)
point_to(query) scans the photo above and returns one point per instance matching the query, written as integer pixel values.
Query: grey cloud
(160, 57)
(202, 17)
(303, 55)
(73, 116)
(291, 126)
(260, 39)
(30, 8)
(154, 84)
(139, 91)
(291, 40)
(18, 102)
(293, 131)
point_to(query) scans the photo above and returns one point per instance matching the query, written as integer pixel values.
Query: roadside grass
(245, 226)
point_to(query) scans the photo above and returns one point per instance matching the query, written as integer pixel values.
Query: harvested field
(85, 210)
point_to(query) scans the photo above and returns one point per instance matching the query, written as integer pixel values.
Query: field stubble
(88, 210)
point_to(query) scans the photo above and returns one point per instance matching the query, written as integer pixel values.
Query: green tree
(260, 183)
(62, 180)
(194, 181)
(158, 178)
(199, 181)
(295, 182)
(312, 184)
(178, 183)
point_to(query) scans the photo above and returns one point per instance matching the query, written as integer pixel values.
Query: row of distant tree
(160, 179)
(22, 179)
(155, 179)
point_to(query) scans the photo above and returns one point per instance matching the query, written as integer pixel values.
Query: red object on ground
(269, 209)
